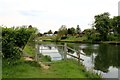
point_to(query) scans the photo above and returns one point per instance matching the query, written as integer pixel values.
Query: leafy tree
(78, 30)
(92, 35)
(62, 30)
(56, 32)
(116, 24)
(30, 26)
(39, 34)
(50, 32)
(71, 31)
(102, 25)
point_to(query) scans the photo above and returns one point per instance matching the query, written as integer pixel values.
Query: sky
(51, 14)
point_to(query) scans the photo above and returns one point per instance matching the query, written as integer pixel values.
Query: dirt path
(41, 64)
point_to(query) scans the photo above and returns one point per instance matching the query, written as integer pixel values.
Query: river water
(98, 58)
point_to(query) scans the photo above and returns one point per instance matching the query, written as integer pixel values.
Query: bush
(12, 53)
(112, 37)
(48, 58)
(13, 39)
(64, 37)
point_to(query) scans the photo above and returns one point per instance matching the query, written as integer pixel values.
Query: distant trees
(71, 31)
(39, 34)
(78, 30)
(62, 30)
(104, 28)
(56, 32)
(50, 32)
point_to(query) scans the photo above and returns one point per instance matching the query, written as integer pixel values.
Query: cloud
(51, 14)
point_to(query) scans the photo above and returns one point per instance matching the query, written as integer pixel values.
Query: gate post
(65, 51)
(36, 53)
(78, 54)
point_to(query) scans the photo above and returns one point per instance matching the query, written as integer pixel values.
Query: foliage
(78, 30)
(50, 32)
(56, 32)
(102, 25)
(62, 30)
(92, 35)
(13, 39)
(71, 31)
(45, 58)
(116, 24)
(107, 27)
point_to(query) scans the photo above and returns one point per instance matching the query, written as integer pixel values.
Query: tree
(71, 31)
(56, 32)
(30, 26)
(50, 32)
(91, 34)
(116, 24)
(62, 30)
(78, 30)
(39, 34)
(102, 25)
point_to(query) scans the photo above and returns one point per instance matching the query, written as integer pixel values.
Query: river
(98, 58)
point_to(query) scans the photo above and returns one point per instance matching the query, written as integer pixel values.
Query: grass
(30, 69)
(58, 69)
(45, 58)
(20, 69)
(30, 50)
(70, 69)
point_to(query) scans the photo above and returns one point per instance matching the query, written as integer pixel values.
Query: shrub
(13, 39)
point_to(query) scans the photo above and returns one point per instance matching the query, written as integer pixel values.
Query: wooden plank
(65, 51)
(60, 45)
(82, 53)
(75, 57)
(72, 49)
(75, 50)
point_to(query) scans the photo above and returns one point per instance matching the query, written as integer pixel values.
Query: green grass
(68, 39)
(75, 38)
(21, 69)
(58, 69)
(30, 50)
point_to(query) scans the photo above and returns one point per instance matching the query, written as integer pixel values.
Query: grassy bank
(30, 50)
(74, 39)
(58, 69)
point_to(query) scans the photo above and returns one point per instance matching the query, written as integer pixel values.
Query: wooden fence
(65, 50)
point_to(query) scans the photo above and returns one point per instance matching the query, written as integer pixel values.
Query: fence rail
(65, 50)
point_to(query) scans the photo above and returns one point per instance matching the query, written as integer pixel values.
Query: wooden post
(36, 57)
(78, 54)
(65, 51)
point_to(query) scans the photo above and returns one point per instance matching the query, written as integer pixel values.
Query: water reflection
(103, 58)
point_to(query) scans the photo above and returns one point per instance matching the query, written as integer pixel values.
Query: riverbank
(77, 41)
(57, 69)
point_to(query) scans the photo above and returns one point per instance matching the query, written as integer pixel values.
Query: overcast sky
(51, 14)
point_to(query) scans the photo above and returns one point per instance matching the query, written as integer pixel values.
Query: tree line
(104, 28)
